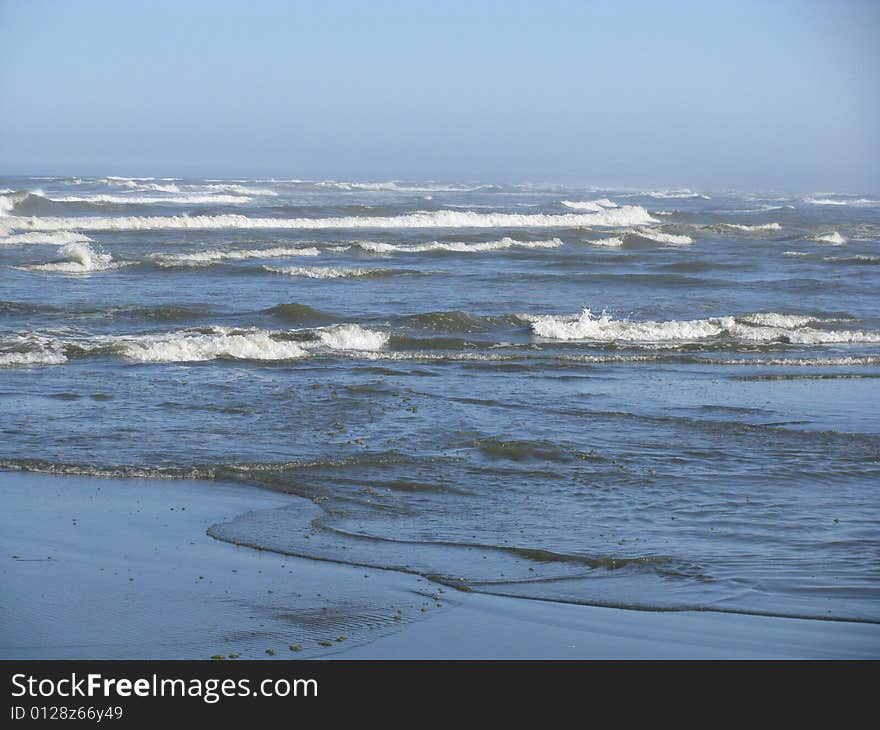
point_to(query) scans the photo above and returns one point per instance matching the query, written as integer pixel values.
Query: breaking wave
(594, 206)
(673, 194)
(31, 349)
(623, 216)
(206, 258)
(125, 199)
(841, 201)
(329, 272)
(397, 187)
(660, 237)
(79, 258)
(232, 344)
(761, 327)
(761, 227)
(833, 238)
(456, 246)
(59, 238)
(613, 242)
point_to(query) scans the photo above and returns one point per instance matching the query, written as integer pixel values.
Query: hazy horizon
(628, 94)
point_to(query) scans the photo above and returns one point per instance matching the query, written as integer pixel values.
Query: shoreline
(124, 569)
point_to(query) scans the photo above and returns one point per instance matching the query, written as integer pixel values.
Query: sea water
(658, 399)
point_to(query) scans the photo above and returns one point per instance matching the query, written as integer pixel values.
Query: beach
(104, 568)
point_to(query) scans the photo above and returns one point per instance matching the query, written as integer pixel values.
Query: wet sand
(124, 569)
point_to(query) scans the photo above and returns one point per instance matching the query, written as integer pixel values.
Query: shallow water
(657, 399)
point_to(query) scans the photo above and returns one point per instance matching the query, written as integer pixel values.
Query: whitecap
(623, 216)
(759, 327)
(834, 238)
(79, 258)
(457, 246)
(326, 272)
(206, 258)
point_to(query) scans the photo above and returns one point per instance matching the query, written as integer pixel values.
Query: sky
(712, 94)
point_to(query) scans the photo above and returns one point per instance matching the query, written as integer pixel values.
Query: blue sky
(746, 94)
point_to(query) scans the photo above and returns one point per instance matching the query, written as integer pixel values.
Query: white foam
(31, 349)
(324, 272)
(603, 328)
(672, 194)
(139, 183)
(670, 238)
(184, 199)
(395, 187)
(834, 238)
(591, 205)
(59, 238)
(34, 357)
(226, 343)
(352, 337)
(761, 227)
(623, 216)
(80, 258)
(240, 189)
(205, 258)
(457, 246)
(760, 327)
(841, 201)
(184, 347)
(612, 242)
(773, 319)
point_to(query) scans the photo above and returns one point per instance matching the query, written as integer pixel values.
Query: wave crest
(623, 216)
(760, 327)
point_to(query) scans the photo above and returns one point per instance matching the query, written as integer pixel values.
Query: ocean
(652, 399)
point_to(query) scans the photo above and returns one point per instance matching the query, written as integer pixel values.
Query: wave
(623, 216)
(857, 259)
(185, 199)
(298, 313)
(591, 205)
(396, 187)
(13, 201)
(220, 345)
(237, 189)
(59, 238)
(660, 237)
(459, 321)
(139, 183)
(645, 234)
(328, 272)
(79, 258)
(33, 357)
(761, 227)
(457, 246)
(352, 337)
(196, 345)
(613, 242)
(206, 258)
(31, 349)
(760, 327)
(841, 201)
(673, 194)
(355, 341)
(833, 238)
(773, 319)
(230, 344)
